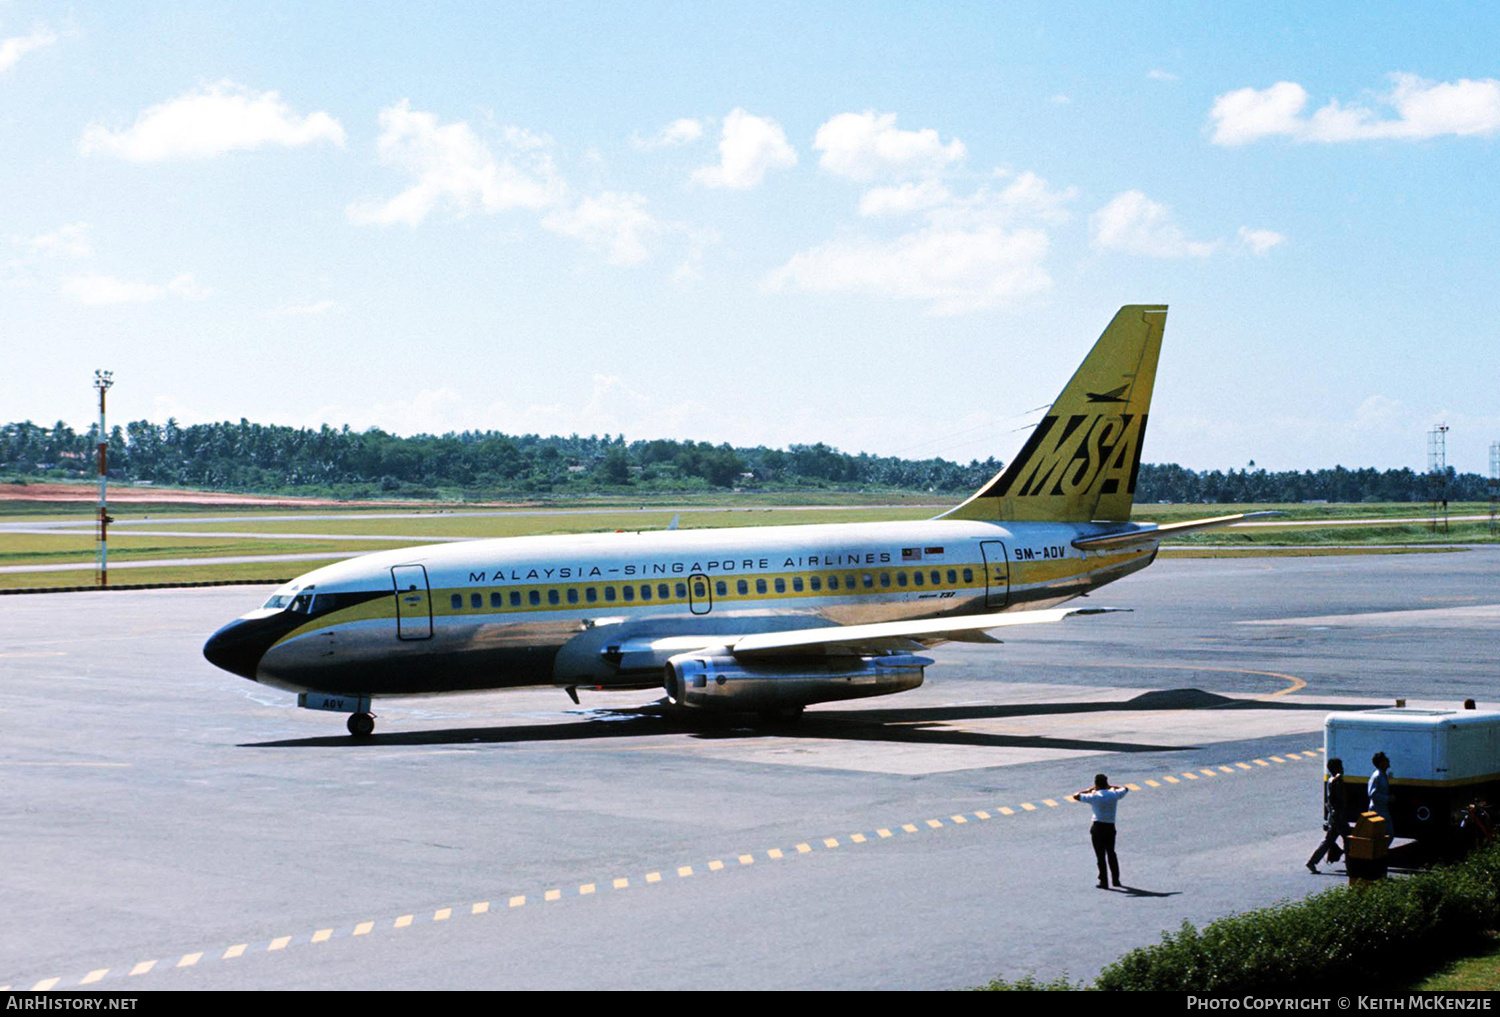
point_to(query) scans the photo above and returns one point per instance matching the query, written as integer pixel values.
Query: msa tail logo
(1068, 456)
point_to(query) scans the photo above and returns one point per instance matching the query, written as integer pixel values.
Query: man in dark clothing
(1335, 817)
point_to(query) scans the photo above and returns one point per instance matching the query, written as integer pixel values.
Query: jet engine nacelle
(721, 682)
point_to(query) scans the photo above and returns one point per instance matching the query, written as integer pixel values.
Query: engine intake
(721, 682)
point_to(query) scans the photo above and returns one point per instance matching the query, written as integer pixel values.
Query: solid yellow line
(552, 895)
(480, 908)
(234, 951)
(94, 976)
(364, 928)
(143, 967)
(321, 936)
(442, 914)
(189, 959)
(45, 984)
(518, 900)
(279, 943)
(585, 889)
(403, 921)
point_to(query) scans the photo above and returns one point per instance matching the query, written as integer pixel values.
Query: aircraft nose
(238, 647)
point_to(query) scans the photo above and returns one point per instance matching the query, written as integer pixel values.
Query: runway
(168, 826)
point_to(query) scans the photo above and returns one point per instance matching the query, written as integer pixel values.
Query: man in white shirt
(1102, 798)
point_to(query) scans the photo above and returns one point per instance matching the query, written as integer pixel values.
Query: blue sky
(894, 228)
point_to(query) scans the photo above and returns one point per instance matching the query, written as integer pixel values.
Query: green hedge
(1386, 933)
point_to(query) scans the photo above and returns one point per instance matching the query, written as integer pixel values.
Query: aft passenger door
(996, 573)
(413, 602)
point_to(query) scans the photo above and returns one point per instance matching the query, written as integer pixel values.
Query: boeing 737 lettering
(763, 620)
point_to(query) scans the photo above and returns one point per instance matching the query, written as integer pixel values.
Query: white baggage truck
(1441, 760)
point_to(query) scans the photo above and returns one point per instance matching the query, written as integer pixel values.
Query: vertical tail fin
(1080, 462)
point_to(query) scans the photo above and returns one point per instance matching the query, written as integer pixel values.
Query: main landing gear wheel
(361, 725)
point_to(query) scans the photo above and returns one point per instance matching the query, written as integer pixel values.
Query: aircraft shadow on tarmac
(912, 725)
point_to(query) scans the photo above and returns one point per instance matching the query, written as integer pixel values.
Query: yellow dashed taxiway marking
(982, 814)
(189, 959)
(1152, 783)
(552, 895)
(364, 928)
(774, 853)
(747, 859)
(585, 889)
(621, 883)
(803, 849)
(442, 914)
(322, 935)
(143, 967)
(1028, 806)
(518, 900)
(94, 975)
(1050, 803)
(830, 842)
(1007, 811)
(858, 838)
(908, 827)
(480, 908)
(279, 943)
(403, 921)
(235, 951)
(715, 866)
(45, 984)
(653, 877)
(684, 871)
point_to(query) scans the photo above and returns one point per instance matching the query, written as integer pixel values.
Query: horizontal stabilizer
(1144, 534)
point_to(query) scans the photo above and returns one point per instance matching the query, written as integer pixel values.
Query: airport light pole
(102, 381)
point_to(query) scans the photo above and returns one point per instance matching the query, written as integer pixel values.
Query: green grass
(268, 572)
(1310, 533)
(40, 549)
(1477, 972)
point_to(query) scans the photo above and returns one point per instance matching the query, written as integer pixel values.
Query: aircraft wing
(1145, 533)
(637, 654)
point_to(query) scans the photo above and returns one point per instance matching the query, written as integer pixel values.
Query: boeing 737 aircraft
(764, 620)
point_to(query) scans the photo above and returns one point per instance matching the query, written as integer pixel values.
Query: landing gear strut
(361, 725)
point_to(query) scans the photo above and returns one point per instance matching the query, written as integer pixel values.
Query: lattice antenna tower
(1495, 487)
(1437, 474)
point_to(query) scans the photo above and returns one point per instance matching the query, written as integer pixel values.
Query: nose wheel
(361, 725)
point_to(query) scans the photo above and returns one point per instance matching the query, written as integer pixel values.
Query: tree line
(348, 463)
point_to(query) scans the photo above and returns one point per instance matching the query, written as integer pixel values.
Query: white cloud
(100, 290)
(1027, 198)
(903, 198)
(749, 147)
(218, 118)
(674, 135)
(1260, 242)
(309, 310)
(1422, 109)
(955, 270)
(615, 223)
(1134, 224)
(862, 146)
(17, 46)
(453, 168)
(1059, 100)
(70, 241)
(1157, 74)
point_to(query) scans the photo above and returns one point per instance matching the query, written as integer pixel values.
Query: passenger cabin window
(742, 587)
(476, 600)
(591, 595)
(553, 597)
(850, 582)
(781, 586)
(815, 583)
(833, 583)
(496, 600)
(952, 577)
(535, 596)
(968, 575)
(457, 600)
(515, 598)
(629, 592)
(916, 577)
(721, 588)
(681, 591)
(663, 591)
(760, 586)
(868, 581)
(609, 594)
(797, 584)
(572, 595)
(645, 591)
(937, 578)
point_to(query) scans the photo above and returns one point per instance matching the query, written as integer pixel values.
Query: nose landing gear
(361, 725)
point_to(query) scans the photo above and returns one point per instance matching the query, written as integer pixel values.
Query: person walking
(1335, 817)
(1102, 798)
(1379, 792)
